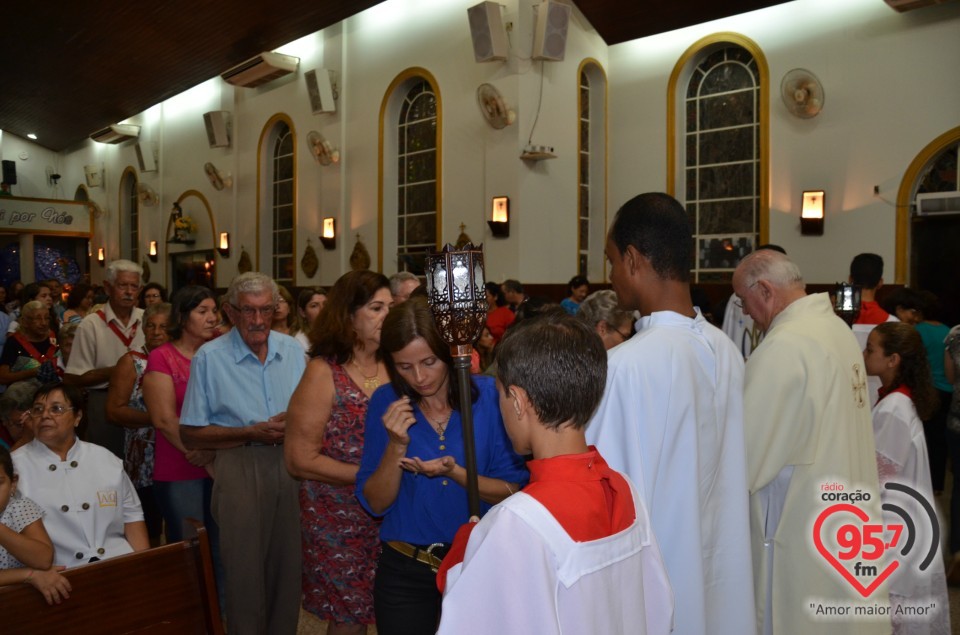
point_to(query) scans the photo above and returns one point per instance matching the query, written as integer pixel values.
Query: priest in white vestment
(671, 418)
(807, 422)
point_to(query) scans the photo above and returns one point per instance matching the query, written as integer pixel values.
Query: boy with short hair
(574, 551)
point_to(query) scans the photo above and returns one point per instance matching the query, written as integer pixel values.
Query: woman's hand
(442, 466)
(54, 587)
(200, 458)
(397, 420)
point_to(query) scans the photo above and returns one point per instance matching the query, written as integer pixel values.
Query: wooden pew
(170, 589)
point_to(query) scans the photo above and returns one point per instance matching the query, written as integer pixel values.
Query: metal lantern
(847, 302)
(456, 296)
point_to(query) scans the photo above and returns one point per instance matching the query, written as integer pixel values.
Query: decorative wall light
(811, 214)
(101, 256)
(224, 246)
(329, 234)
(152, 253)
(500, 217)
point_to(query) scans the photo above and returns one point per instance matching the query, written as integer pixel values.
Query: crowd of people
(635, 475)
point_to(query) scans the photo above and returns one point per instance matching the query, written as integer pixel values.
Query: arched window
(130, 224)
(592, 140)
(720, 164)
(411, 108)
(282, 188)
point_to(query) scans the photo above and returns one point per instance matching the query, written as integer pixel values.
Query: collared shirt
(96, 345)
(88, 499)
(229, 386)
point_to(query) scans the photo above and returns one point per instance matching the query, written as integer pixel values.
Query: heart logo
(856, 538)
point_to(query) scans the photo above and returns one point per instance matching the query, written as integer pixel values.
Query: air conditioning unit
(938, 203)
(117, 133)
(261, 69)
(909, 5)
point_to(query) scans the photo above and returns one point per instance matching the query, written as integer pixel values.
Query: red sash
(116, 331)
(32, 350)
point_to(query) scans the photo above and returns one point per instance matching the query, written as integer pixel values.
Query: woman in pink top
(181, 480)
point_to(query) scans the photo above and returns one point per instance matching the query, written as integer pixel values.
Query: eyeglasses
(55, 410)
(738, 301)
(250, 311)
(622, 336)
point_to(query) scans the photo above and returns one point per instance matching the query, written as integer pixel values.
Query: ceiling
(70, 68)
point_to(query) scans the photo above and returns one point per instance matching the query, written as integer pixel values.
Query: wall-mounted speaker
(146, 156)
(550, 31)
(322, 90)
(218, 128)
(94, 178)
(486, 31)
(9, 172)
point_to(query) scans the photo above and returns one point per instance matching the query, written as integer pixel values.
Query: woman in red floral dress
(323, 445)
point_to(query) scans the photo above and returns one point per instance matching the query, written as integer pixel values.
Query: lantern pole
(455, 292)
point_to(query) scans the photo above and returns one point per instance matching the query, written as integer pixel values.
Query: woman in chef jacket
(92, 509)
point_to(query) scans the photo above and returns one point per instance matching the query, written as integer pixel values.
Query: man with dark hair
(672, 419)
(579, 532)
(513, 293)
(866, 270)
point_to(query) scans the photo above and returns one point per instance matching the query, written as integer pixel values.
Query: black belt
(430, 555)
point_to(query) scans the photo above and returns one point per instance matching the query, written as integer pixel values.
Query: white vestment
(807, 422)
(671, 418)
(523, 574)
(902, 458)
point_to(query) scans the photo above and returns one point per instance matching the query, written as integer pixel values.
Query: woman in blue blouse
(411, 472)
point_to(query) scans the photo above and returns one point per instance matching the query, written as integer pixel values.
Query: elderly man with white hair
(102, 339)
(236, 404)
(808, 428)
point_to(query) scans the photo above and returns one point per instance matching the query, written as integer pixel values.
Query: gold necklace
(370, 382)
(439, 424)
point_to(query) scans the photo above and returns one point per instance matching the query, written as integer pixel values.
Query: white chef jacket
(88, 499)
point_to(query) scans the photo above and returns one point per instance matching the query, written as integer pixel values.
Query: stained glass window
(722, 162)
(416, 177)
(282, 201)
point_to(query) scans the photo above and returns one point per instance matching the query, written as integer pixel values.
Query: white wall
(889, 79)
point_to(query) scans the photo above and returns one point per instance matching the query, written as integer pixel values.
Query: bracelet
(28, 575)
(507, 485)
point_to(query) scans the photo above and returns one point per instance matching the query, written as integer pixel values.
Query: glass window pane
(285, 167)
(584, 233)
(284, 242)
(422, 198)
(284, 193)
(691, 149)
(692, 185)
(584, 168)
(584, 100)
(726, 145)
(283, 217)
(723, 253)
(693, 88)
(286, 144)
(283, 268)
(584, 135)
(726, 181)
(421, 230)
(942, 175)
(726, 110)
(725, 78)
(584, 201)
(422, 167)
(422, 136)
(727, 217)
(692, 115)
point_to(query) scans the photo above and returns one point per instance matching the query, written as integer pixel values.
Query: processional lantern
(846, 303)
(455, 292)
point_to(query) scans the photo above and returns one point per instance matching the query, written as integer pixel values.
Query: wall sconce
(152, 252)
(500, 217)
(101, 256)
(811, 214)
(224, 246)
(329, 234)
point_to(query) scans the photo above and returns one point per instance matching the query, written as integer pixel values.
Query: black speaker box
(9, 172)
